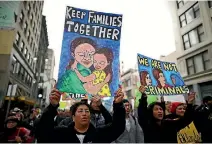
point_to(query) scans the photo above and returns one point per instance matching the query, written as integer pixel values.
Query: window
(14, 64)
(27, 56)
(189, 15)
(28, 36)
(186, 41)
(17, 38)
(193, 37)
(22, 46)
(182, 20)
(31, 42)
(25, 27)
(210, 4)
(129, 93)
(128, 83)
(206, 60)
(201, 33)
(31, 18)
(190, 66)
(180, 3)
(21, 18)
(28, 9)
(29, 59)
(25, 52)
(198, 63)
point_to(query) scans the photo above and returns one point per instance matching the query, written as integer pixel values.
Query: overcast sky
(147, 27)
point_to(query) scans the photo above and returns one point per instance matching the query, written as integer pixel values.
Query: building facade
(49, 81)
(193, 38)
(129, 81)
(18, 58)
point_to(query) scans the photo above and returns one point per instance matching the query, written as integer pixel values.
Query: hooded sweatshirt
(167, 131)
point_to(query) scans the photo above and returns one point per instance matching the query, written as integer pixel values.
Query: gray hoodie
(134, 135)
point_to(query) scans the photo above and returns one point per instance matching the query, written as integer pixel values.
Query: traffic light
(40, 93)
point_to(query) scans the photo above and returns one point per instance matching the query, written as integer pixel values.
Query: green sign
(150, 98)
(8, 9)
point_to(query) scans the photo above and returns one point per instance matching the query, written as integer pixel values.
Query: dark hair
(206, 99)
(76, 105)
(150, 110)
(156, 73)
(76, 42)
(125, 101)
(109, 55)
(143, 75)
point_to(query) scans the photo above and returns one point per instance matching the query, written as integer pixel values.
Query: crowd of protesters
(158, 122)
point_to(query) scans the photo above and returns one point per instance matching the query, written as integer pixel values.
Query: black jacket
(65, 122)
(49, 133)
(167, 131)
(203, 123)
(104, 113)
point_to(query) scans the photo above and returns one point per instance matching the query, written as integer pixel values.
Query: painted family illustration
(160, 78)
(89, 70)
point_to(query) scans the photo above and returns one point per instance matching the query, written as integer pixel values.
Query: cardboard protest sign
(90, 54)
(160, 78)
(189, 135)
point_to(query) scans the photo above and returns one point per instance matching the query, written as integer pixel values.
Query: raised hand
(55, 97)
(97, 100)
(191, 97)
(18, 139)
(119, 95)
(142, 89)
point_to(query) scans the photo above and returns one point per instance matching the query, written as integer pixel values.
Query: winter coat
(203, 123)
(167, 131)
(107, 134)
(67, 121)
(134, 135)
(101, 118)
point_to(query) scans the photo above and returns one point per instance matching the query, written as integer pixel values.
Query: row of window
(198, 63)
(189, 15)
(193, 37)
(25, 52)
(180, 3)
(26, 30)
(21, 72)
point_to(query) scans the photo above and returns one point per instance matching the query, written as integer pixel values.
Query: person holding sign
(81, 130)
(156, 128)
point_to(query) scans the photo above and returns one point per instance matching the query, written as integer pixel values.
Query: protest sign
(189, 135)
(150, 98)
(160, 78)
(90, 54)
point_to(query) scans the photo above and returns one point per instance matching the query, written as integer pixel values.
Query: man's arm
(108, 118)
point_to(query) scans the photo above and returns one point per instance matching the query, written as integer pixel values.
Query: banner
(160, 78)
(90, 54)
(189, 135)
(8, 10)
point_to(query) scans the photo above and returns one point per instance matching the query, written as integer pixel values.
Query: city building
(129, 80)
(40, 91)
(193, 38)
(49, 81)
(19, 42)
